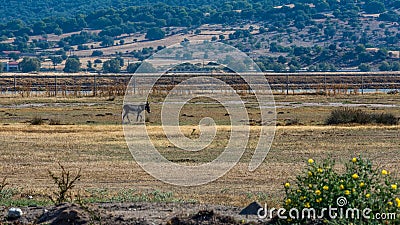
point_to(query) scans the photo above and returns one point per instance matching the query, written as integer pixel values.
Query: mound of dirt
(67, 214)
(204, 217)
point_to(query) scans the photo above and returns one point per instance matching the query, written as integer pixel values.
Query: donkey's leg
(125, 114)
(137, 117)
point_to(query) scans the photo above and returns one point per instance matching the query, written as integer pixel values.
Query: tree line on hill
(156, 20)
(148, 17)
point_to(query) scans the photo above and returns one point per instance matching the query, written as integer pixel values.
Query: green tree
(89, 65)
(374, 7)
(147, 67)
(107, 41)
(14, 56)
(155, 34)
(120, 60)
(364, 67)
(97, 53)
(56, 60)
(385, 66)
(72, 65)
(330, 31)
(132, 67)
(30, 65)
(396, 66)
(112, 66)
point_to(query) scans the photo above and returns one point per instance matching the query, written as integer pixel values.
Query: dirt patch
(131, 213)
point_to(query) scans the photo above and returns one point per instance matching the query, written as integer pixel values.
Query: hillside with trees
(287, 35)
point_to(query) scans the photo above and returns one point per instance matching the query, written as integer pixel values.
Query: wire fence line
(91, 84)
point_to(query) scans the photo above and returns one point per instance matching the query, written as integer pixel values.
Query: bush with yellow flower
(361, 184)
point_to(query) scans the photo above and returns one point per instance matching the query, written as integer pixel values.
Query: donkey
(137, 109)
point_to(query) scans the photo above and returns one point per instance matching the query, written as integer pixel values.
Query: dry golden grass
(100, 150)
(99, 147)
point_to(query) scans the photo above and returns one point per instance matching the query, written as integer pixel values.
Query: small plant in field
(54, 122)
(3, 184)
(65, 182)
(37, 120)
(3, 192)
(359, 187)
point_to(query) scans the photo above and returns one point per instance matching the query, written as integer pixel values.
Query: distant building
(394, 54)
(9, 52)
(10, 66)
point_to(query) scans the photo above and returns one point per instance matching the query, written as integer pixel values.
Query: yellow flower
(398, 202)
(307, 205)
(309, 173)
(317, 192)
(341, 187)
(298, 191)
(320, 170)
(319, 200)
(288, 201)
(368, 195)
(384, 172)
(311, 161)
(325, 188)
(354, 160)
(394, 186)
(346, 192)
(287, 185)
(362, 184)
(353, 190)
(302, 198)
(310, 185)
(390, 203)
(355, 176)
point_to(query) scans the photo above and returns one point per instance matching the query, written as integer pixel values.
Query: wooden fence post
(134, 84)
(55, 85)
(362, 84)
(15, 84)
(287, 83)
(94, 85)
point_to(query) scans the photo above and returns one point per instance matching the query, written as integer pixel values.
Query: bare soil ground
(131, 213)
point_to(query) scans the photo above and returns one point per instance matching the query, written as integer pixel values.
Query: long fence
(89, 84)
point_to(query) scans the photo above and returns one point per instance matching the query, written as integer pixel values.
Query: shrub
(348, 115)
(65, 182)
(360, 186)
(97, 53)
(385, 118)
(54, 122)
(37, 120)
(3, 184)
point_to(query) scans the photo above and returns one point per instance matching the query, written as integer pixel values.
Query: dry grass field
(91, 137)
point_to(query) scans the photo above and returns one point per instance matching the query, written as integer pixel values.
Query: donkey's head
(147, 107)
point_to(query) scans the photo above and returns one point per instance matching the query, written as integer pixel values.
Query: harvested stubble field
(91, 137)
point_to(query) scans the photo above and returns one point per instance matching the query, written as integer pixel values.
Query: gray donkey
(136, 109)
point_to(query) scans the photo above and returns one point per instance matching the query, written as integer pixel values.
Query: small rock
(14, 213)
